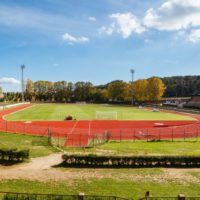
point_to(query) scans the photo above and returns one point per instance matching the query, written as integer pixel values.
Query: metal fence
(171, 198)
(81, 196)
(29, 196)
(83, 137)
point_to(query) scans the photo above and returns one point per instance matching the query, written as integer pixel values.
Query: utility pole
(132, 79)
(22, 68)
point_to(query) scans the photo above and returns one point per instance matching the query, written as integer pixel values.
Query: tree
(155, 88)
(118, 90)
(29, 90)
(60, 85)
(140, 90)
(1, 94)
(83, 91)
(42, 86)
(29, 86)
(179, 86)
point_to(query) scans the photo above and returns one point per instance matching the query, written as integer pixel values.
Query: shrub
(69, 117)
(13, 155)
(130, 161)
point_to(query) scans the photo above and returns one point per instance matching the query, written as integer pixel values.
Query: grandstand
(194, 102)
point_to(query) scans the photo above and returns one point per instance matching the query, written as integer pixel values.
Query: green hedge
(13, 155)
(130, 161)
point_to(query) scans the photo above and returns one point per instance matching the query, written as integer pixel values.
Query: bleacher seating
(194, 102)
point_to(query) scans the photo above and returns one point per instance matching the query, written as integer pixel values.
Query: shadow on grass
(10, 163)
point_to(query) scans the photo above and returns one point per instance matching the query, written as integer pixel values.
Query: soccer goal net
(104, 115)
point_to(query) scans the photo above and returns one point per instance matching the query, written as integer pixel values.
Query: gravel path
(41, 169)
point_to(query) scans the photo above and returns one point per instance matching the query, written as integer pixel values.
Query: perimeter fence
(85, 137)
(171, 198)
(81, 196)
(29, 196)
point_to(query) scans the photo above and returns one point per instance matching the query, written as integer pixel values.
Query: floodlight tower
(22, 68)
(132, 78)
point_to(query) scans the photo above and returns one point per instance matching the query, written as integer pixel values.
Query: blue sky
(98, 40)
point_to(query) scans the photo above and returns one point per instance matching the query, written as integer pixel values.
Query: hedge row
(133, 161)
(13, 155)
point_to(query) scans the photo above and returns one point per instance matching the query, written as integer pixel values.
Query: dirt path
(41, 169)
(42, 163)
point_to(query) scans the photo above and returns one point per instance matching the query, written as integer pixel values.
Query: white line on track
(89, 129)
(74, 127)
(3, 117)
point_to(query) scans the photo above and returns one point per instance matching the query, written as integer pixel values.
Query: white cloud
(9, 80)
(125, 24)
(174, 15)
(106, 30)
(92, 18)
(194, 36)
(72, 39)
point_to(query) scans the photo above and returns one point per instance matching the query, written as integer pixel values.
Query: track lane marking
(74, 126)
(20, 109)
(89, 128)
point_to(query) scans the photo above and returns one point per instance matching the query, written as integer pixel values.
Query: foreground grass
(38, 145)
(106, 186)
(88, 112)
(129, 183)
(187, 148)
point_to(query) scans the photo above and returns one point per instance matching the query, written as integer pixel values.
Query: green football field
(89, 112)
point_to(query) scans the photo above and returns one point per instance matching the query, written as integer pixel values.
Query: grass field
(189, 148)
(88, 112)
(38, 146)
(179, 148)
(124, 187)
(129, 183)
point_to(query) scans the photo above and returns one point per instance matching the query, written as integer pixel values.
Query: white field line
(74, 127)
(193, 116)
(3, 117)
(180, 113)
(14, 105)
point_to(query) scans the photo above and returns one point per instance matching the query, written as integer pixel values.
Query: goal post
(106, 115)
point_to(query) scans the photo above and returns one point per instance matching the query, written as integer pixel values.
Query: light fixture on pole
(132, 92)
(22, 68)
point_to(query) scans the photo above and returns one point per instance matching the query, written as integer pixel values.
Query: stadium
(100, 100)
(99, 123)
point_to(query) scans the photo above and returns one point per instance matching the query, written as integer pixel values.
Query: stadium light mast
(132, 78)
(22, 68)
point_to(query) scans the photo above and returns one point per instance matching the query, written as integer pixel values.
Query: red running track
(80, 133)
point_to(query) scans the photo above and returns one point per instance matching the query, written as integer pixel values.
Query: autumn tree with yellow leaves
(151, 89)
(155, 88)
(140, 90)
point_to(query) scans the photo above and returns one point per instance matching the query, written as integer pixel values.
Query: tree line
(182, 86)
(115, 91)
(151, 89)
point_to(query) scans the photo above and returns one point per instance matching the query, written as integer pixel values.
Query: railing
(32, 196)
(171, 198)
(81, 196)
(83, 137)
